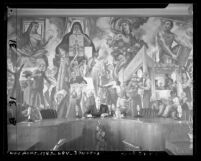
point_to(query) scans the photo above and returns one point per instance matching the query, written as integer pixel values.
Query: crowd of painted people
(129, 100)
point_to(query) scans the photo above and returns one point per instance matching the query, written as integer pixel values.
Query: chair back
(48, 114)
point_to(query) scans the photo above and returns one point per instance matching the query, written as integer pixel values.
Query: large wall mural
(71, 63)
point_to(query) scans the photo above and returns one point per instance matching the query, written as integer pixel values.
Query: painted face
(189, 32)
(42, 67)
(76, 29)
(167, 26)
(125, 28)
(35, 27)
(59, 98)
(12, 105)
(73, 75)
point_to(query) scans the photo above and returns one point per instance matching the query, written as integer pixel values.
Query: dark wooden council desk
(149, 134)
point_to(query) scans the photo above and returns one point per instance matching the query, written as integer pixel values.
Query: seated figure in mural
(165, 39)
(31, 41)
(29, 45)
(173, 109)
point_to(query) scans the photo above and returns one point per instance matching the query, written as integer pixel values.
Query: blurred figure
(83, 103)
(37, 97)
(122, 103)
(165, 39)
(161, 107)
(186, 84)
(71, 112)
(174, 108)
(77, 79)
(185, 107)
(61, 99)
(147, 91)
(111, 98)
(90, 105)
(16, 90)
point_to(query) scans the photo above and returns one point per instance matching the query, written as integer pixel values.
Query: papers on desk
(89, 116)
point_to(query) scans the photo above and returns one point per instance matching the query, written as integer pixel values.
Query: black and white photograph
(100, 79)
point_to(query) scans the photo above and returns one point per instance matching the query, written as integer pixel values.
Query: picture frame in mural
(41, 28)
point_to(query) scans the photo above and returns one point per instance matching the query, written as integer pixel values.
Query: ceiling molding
(172, 9)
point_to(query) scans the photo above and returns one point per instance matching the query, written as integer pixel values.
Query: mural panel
(76, 65)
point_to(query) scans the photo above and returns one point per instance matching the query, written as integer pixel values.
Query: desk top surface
(55, 122)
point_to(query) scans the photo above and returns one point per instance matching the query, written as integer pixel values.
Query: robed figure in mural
(30, 46)
(31, 42)
(71, 48)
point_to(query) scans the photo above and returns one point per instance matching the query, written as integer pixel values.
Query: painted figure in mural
(27, 86)
(90, 104)
(39, 76)
(105, 74)
(50, 89)
(186, 84)
(127, 39)
(77, 79)
(125, 45)
(31, 41)
(122, 102)
(134, 87)
(16, 90)
(83, 101)
(63, 73)
(73, 44)
(71, 110)
(112, 98)
(61, 99)
(29, 46)
(165, 39)
(173, 108)
(14, 57)
(146, 91)
(70, 50)
(78, 103)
